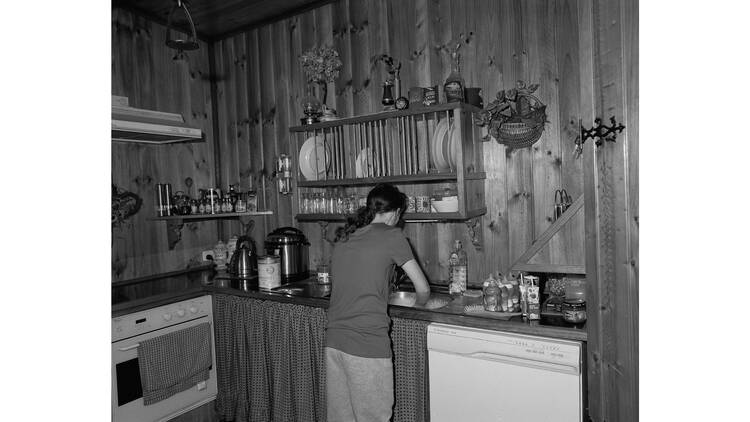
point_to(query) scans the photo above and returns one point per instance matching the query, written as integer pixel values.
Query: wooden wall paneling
(377, 16)
(546, 152)
(566, 22)
(518, 163)
(143, 71)
(596, 396)
(629, 354)
(343, 92)
(359, 52)
(402, 25)
(255, 134)
(239, 150)
(267, 93)
(281, 70)
(423, 53)
(489, 63)
(617, 295)
(227, 137)
(441, 10)
(342, 28)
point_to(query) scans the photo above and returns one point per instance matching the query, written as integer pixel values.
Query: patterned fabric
(174, 362)
(270, 360)
(409, 339)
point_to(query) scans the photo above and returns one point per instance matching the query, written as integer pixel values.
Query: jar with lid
(241, 204)
(269, 271)
(574, 311)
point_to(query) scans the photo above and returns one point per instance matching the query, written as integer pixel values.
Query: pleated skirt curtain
(270, 360)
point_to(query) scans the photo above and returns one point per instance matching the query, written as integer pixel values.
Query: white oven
(131, 329)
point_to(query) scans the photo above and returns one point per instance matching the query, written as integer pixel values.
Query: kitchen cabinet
(270, 359)
(422, 150)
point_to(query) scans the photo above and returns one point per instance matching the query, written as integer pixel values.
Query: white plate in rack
(364, 161)
(453, 145)
(436, 145)
(314, 147)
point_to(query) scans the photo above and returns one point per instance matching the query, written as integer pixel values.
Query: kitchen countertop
(149, 292)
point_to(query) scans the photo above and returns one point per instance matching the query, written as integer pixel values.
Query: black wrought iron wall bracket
(599, 132)
(606, 133)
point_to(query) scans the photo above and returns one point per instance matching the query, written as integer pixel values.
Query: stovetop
(144, 288)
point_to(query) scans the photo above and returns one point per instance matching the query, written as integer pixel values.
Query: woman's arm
(421, 286)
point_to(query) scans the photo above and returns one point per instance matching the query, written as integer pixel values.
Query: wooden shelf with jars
(427, 152)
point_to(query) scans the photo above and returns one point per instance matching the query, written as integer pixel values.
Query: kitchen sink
(408, 299)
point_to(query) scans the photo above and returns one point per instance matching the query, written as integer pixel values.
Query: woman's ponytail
(382, 198)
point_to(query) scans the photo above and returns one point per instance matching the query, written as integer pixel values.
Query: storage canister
(574, 311)
(269, 272)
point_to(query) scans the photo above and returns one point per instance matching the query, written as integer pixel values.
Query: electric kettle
(244, 261)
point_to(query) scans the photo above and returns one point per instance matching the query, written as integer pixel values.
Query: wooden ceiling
(217, 19)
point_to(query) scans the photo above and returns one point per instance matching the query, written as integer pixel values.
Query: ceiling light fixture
(180, 44)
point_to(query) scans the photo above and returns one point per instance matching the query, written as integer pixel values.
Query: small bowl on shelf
(446, 204)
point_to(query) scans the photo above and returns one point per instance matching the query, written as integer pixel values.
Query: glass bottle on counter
(458, 268)
(492, 295)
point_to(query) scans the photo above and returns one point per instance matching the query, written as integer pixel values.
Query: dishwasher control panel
(482, 342)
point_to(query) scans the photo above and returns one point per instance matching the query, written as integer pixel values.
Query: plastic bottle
(458, 268)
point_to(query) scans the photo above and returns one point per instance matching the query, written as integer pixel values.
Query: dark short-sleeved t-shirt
(360, 268)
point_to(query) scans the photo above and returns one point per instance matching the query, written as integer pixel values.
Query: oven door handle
(131, 347)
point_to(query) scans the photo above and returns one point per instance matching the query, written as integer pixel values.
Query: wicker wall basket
(525, 134)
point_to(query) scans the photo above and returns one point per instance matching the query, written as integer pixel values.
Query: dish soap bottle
(458, 268)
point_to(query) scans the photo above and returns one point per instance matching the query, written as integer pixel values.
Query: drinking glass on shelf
(319, 203)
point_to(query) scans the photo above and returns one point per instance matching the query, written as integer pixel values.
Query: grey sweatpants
(359, 389)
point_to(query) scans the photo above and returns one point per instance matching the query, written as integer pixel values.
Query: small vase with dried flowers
(322, 66)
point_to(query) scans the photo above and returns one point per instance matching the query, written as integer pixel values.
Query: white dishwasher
(483, 375)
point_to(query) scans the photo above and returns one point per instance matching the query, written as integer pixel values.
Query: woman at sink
(359, 369)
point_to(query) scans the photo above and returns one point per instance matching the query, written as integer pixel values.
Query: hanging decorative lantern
(184, 42)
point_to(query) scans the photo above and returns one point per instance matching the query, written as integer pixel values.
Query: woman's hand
(421, 286)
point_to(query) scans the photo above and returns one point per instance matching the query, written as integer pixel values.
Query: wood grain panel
(143, 71)
(503, 41)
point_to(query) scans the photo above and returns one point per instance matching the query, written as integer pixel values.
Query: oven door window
(128, 381)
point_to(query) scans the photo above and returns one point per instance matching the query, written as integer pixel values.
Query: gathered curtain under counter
(270, 359)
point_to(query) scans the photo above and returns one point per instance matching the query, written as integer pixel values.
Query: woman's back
(358, 321)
